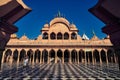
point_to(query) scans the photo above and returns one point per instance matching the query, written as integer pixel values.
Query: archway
(74, 56)
(22, 55)
(30, 55)
(66, 55)
(52, 55)
(7, 56)
(59, 55)
(81, 56)
(66, 35)
(37, 56)
(45, 35)
(15, 55)
(88, 56)
(59, 35)
(52, 36)
(96, 55)
(110, 55)
(103, 56)
(45, 55)
(73, 35)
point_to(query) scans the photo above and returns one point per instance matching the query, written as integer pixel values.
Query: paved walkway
(61, 71)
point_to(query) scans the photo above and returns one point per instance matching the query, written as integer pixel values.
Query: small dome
(72, 25)
(24, 37)
(13, 36)
(46, 25)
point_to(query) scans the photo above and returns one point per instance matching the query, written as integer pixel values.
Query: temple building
(59, 41)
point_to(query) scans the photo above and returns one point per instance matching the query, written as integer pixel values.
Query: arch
(45, 55)
(66, 55)
(52, 55)
(37, 56)
(8, 53)
(59, 55)
(22, 54)
(66, 35)
(15, 55)
(81, 56)
(74, 55)
(73, 35)
(96, 55)
(103, 55)
(30, 55)
(52, 36)
(45, 35)
(110, 55)
(59, 35)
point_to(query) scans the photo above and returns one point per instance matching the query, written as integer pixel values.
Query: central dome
(59, 20)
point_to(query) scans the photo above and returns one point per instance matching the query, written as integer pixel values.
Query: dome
(72, 25)
(13, 36)
(59, 20)
(46, 25)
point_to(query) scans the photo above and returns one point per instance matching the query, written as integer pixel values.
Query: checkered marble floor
(61, 71)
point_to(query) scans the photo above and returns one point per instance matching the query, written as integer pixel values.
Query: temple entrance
(52, 56)
(59, 55)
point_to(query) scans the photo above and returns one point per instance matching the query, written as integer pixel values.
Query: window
(52, 36)
(66, 35)
(73, 35)
(59, 35)
(45, 36)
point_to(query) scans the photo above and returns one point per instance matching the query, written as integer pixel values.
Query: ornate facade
(59, 42)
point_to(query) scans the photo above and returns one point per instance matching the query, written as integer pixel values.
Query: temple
(59, 41)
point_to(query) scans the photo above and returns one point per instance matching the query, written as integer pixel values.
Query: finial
(93, 32)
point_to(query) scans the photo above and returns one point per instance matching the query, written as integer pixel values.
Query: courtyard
(59, 71)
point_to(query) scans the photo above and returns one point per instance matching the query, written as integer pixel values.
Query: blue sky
(75, 11)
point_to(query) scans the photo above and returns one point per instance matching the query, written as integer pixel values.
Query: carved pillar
(33, 60)
(85, 58)
(70, 57)
(11, 58)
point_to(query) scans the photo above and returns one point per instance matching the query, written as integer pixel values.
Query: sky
(75, 11)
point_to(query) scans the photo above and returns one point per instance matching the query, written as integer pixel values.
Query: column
(18, 58)
(41, 58)
(48, 58)
(78, 57)
(63, 57)
(2, 56)
(55, 57)
(70, 57)
(11, 58)
(33, 60)
(93, 62)
(106, 57)
(85, 58)
(100, 58)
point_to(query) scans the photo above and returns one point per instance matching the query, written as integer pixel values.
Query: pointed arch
(59, 35)
(103, 55)
(15, 55)
(66, 55)
(66, 35)
(22, 54)
(37, 55)
(73, 35)
(81, 55)
(8, 53)
(45, 35)
(52, 36)
(74, 55)
(96, 55)
(45, 55)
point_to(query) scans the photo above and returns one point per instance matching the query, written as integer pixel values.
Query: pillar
(2, 53)
(18, 58)
(11, 58)
(55, 57)
(70, 57)
(33, 60)
(41, 58)
(78, 57)
(115, 58)
(63, 57)
(85, 58)
(106, 57)
(48, 58)
(93, 62)
(100, 58)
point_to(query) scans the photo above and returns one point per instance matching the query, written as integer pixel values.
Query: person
(25, 62)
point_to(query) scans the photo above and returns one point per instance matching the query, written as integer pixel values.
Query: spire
(93, 33)
(59, 14)
(94, 38)
(84, 37)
